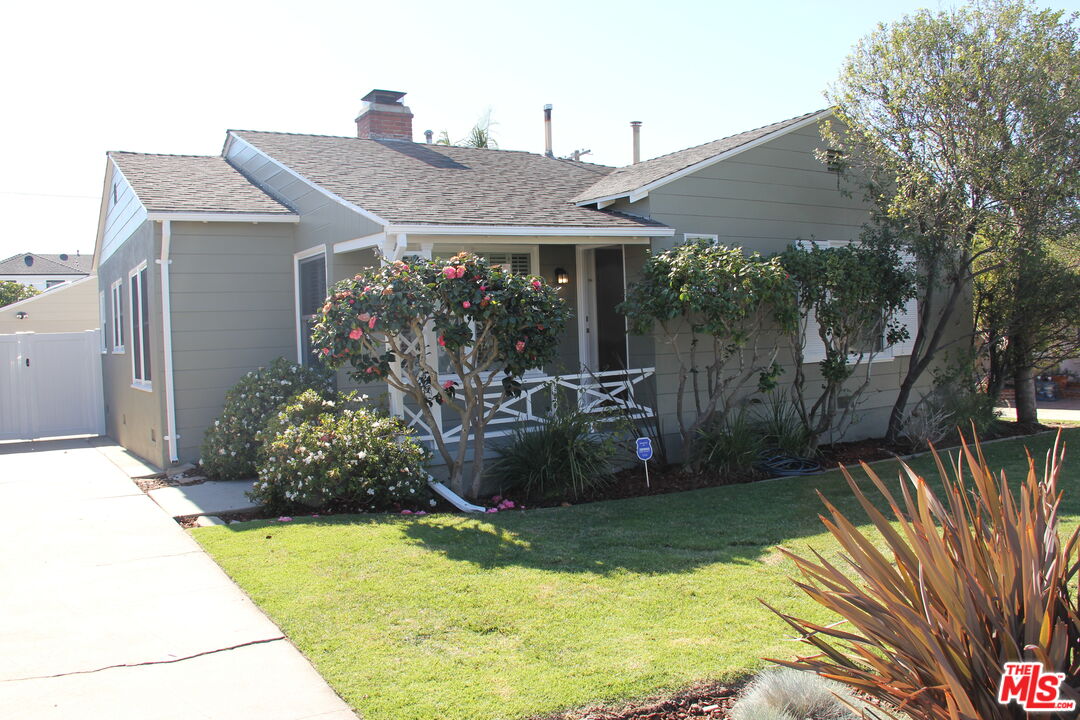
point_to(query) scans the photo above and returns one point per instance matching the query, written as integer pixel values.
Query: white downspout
(166, 330)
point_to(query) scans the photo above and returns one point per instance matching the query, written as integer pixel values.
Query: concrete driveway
(109, 610)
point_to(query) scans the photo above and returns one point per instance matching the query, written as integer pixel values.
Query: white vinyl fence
(50, 385)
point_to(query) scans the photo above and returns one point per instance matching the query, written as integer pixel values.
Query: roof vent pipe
(428, 134)
(547, 131)
(636, 125)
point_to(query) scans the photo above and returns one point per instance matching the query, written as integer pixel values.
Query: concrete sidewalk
(108, 609)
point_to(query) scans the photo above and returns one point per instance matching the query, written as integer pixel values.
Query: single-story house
(210, 266)
(43, 271)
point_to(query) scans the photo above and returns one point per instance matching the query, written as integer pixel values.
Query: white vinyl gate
(50, 385)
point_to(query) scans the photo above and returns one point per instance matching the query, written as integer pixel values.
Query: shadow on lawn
(655, 535)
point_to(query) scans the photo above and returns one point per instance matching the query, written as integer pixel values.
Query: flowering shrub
(484, 320)
(231, 443)
(322, 453)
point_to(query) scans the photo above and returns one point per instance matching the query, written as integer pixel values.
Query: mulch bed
(712, 700)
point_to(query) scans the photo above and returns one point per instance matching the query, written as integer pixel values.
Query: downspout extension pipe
(166, 331)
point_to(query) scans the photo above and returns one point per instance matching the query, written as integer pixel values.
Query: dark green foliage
(781, 428)
(564, 456)
(719, 309)
(730, 448)
(231, 444)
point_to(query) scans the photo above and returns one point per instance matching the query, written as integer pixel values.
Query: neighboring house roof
(402, 182)
(192, 183)
(43, 264)
(634, 178)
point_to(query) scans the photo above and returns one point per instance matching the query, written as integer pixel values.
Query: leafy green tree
(393, 323)
(1029, 330)
(967, 119)
(851, 296)
(719, 311)
(13, 292)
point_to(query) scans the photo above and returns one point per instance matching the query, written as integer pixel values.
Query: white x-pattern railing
(597, 393)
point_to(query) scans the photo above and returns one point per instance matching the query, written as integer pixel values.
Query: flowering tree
(702, 291)
(489, 324)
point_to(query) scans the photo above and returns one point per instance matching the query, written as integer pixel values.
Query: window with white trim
(702, 236)
(103, 323)
(311, 273)
(140, 328)
(116, 294)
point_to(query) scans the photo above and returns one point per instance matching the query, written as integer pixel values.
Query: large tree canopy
(967, 121)
(13, 292)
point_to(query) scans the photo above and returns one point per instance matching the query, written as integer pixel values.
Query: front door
(603, 340)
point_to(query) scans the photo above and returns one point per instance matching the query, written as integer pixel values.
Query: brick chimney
(384, 117)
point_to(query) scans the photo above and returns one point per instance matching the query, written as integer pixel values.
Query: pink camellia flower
(284, 518)
(367, 288)
(449, 272)
(364, 317)
(406, 512)
(351, 301)
(520, 345)
(466, 304)
(370, 370)
(506, 505)
(459, 272)
(356, 334)
(496, 499)
(420, 512)
(371, 323)
(448, 384)
(492, 510)
(536, 284)
(442, 341)
(483, 287)
(326, 351)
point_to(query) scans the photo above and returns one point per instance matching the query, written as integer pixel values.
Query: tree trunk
(1026, 406)
(1024, 382)
(478, 461)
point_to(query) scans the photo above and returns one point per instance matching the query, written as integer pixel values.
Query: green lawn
(521, 613)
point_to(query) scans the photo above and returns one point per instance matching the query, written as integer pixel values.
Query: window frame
(711, 237)
(116, 301)
(309, 255)
(141, 367)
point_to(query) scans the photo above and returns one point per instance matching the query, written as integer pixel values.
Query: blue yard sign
(644, 448)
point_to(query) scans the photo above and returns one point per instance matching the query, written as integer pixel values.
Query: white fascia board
(360, 243)
(103, 210)
(644, 190)
(235, 140)
(223, 217)
(531, 231)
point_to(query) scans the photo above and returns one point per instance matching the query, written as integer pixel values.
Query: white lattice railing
(596, 393)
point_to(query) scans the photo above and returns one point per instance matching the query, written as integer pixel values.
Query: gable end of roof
(636, 181)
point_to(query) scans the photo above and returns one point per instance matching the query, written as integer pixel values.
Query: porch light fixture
(561, 276)
(21, 315)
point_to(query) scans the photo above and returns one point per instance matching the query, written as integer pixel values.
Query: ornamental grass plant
(957, 586)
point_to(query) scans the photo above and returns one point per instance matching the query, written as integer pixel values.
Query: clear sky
(81, 78)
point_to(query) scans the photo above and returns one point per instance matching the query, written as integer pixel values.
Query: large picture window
(140, 328)
(117, 300)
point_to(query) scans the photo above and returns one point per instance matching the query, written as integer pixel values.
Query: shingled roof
(192, 183)
(43, 264)
(410, 183)
(627, 179)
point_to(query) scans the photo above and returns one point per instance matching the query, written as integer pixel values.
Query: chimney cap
(384, 97)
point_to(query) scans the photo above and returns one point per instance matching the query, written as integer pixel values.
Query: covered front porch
(598, 365)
